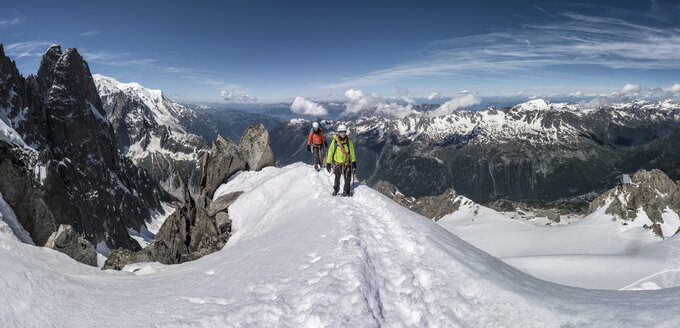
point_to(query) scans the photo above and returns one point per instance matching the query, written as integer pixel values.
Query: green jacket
(336, 155)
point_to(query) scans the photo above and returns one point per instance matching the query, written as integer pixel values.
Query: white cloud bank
(306, 107)
(434, 95)
(240, 97)
(244, 97)
(226, 95)
(359, 103)
(455, 103)
(373, 104)
(631, 88)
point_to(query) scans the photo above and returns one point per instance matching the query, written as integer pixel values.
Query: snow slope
(301, 258)
(10, 226)
(595, 252)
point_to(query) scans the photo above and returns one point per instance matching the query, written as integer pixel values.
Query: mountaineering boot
(316, 167)
(345, 194)
(335, 192)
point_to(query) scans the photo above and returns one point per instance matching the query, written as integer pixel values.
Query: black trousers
(347, 174)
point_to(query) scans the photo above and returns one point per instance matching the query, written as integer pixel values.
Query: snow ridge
(366, 262)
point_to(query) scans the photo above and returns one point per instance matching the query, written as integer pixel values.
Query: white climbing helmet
(315, 125)
(342, 127)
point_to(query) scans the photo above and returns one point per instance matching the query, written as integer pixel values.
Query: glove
(328, 167)
(325, 144)
(354, 167)
(309, 149)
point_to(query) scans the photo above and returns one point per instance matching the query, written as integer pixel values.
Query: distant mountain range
(534, 150)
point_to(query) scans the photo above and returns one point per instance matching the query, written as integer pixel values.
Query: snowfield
(597, 251)
(301, 258)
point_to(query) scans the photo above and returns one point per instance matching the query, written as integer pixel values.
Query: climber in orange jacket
(317, 141)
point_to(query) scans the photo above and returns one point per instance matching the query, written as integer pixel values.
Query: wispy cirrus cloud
(569, 39)
(7, 22)
(90, 33)
(127, 59)
(19, 50)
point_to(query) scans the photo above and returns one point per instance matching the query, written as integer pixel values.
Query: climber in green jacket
(342, 160)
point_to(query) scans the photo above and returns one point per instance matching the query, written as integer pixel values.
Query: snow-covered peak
(544, 105)
(536, 104)
(110, 85)
(164, 111)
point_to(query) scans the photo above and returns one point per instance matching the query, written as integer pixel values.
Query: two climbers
(315, 141)
(342, 160)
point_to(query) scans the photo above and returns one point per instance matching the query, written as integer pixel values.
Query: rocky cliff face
(534, 150)
(652, 201)
(66, 163)
(200, 225)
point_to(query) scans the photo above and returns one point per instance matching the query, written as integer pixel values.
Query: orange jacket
(315, 137)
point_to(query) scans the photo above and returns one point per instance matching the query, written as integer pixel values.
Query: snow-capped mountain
(366, 262)
(535, 150)
(59, 163)
(152, 131)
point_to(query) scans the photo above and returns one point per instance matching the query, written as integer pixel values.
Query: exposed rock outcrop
(221, 162)
(67, 241)
(652, 200)
(199, 226)
(432, 207)
(256, 149)
(24, 195)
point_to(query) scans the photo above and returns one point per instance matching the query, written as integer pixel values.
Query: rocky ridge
(652, 201)
(431, 207)
(200, 225)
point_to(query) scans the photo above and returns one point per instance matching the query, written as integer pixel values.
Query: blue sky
(277, 50)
